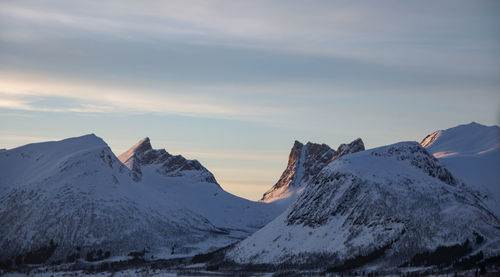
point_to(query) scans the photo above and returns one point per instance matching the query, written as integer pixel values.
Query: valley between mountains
(409, 207)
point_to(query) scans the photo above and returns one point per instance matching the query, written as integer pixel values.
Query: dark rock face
(353, 147)
(305, 162)
(142, 154)
(312, 210)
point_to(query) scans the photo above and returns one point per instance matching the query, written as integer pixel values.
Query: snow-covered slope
(395, 201)
(188, 183)
(304, 162)
(472, 153)
(77, 194)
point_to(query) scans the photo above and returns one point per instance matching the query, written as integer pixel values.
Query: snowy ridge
(76, 193)
(38, 160)
(142, 154)
(397, 198)
(472, 153)
(304, 162)
(463, 140)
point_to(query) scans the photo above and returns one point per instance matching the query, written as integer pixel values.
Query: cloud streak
(22, 94)
(364, 30)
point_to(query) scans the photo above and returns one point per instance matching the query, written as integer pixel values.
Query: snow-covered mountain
(392, 203)
(59, 199)
(472, 153)
(142, 154)
(304, 162)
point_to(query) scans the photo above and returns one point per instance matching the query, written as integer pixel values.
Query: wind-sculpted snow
(304, 162)
(76, 195)
(397, 200)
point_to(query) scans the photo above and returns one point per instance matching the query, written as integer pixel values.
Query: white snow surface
(396, 196)
(77, 193)
(472, 153)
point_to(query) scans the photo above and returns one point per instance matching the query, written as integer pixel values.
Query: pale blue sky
(234, 83)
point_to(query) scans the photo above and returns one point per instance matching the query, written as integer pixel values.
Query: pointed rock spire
(143, 145)
(295, 152)
(139, 148)
(139, 154)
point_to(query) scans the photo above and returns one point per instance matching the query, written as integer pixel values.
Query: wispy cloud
(363, 30)
(23, 94)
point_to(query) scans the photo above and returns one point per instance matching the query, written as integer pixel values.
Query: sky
(235, 83)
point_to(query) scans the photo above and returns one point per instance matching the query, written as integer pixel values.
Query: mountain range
(433, 203)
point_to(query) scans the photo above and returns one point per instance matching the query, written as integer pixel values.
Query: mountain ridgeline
(432, 205)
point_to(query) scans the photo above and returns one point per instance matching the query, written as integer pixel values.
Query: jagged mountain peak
(295, 152)
(304, 162)
(139, 148)
(143, 145)
(308, 148)
(142, 155)
(353, 147)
